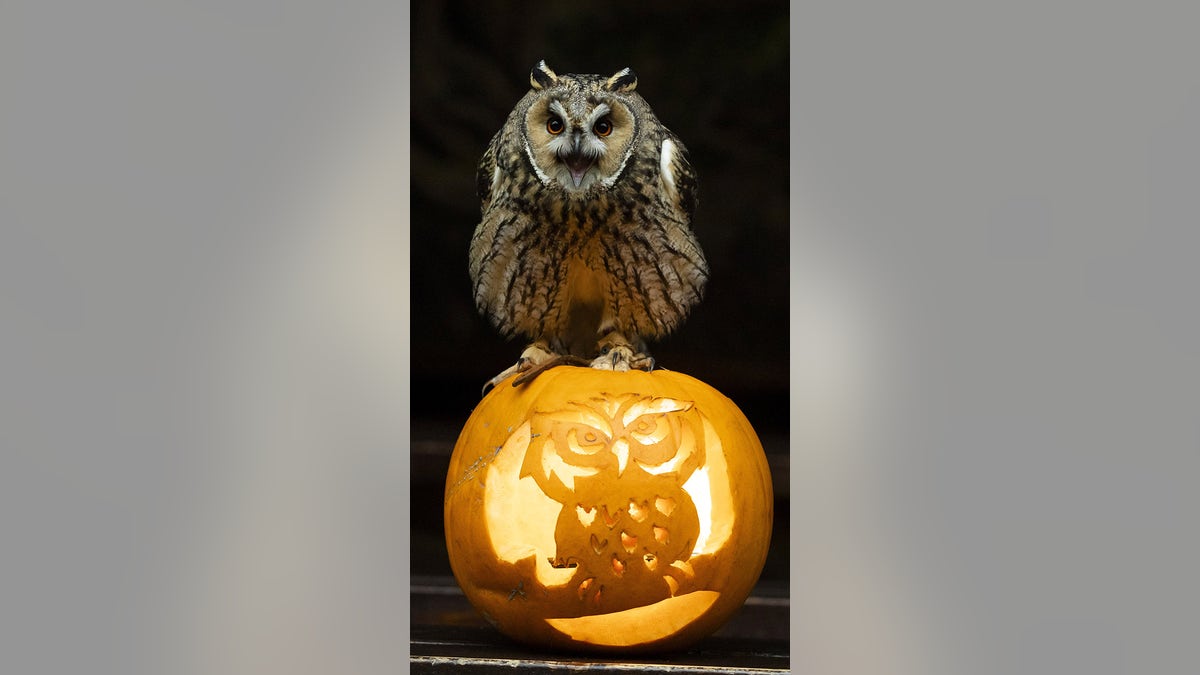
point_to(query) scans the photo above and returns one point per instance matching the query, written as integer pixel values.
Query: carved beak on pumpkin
(621, 450)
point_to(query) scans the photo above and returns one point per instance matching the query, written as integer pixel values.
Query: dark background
(718, 78)
(717, 75)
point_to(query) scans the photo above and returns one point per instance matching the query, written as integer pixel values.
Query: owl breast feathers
(585, 244)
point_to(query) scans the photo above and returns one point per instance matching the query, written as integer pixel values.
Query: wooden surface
(448, 636)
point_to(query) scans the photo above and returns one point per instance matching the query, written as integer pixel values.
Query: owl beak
(578, 165)
(577, 162)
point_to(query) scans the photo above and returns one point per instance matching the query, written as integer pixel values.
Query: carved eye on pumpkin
(586, 440)
(650, 428)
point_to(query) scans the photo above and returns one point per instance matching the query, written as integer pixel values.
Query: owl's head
(581, 129)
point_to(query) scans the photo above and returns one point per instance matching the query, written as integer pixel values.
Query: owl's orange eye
(603, 127)
(555, 125)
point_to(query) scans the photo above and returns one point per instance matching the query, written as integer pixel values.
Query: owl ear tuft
(541, 76)
(623, 80)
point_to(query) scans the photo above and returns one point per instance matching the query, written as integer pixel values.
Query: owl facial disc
(578, 135)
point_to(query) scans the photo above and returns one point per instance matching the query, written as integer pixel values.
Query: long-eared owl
(585, 244)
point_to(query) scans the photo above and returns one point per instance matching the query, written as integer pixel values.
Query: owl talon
(621, 358)
(534, 356)
(505, 374)
(560, 360)
(535, 360)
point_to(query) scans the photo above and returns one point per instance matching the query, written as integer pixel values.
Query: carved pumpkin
(598, 510)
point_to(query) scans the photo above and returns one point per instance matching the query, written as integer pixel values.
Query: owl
(585, 244)
(618, 466)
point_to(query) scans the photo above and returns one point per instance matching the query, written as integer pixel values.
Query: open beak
(577, 163)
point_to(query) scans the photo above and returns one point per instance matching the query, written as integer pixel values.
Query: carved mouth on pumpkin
(640, 625)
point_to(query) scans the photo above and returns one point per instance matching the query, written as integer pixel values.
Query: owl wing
(491, 245)
(674, 214)
(678, 176)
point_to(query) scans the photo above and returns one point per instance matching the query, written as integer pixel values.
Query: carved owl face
(581, 129)
(606, 437)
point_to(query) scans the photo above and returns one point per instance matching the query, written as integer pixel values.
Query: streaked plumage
(585, 244)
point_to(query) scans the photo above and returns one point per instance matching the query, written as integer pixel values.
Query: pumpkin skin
(593, 510)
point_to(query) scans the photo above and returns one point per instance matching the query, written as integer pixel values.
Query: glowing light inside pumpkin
(520, 516)
(700, 490)
(638, 625)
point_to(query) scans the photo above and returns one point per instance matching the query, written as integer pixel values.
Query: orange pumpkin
(607, 511)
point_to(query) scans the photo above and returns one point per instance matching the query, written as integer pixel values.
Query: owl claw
(560, 360)
(534, 355)
(535, 360)
(621, 358)
(616, 354)
(504, 374)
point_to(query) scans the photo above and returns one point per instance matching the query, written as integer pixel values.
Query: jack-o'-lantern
(597, 510)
